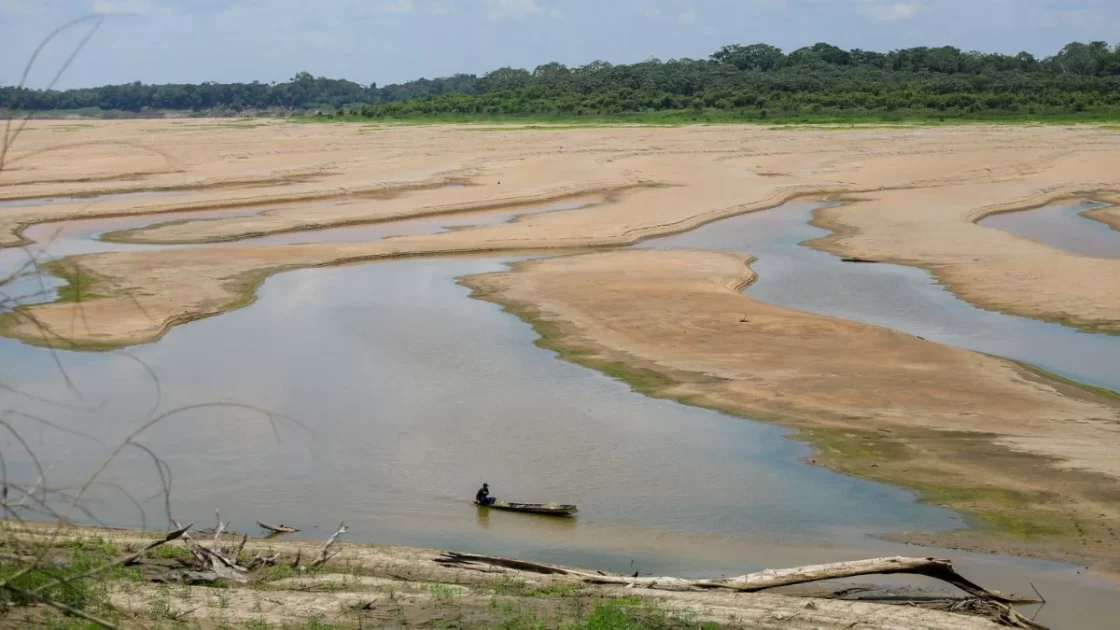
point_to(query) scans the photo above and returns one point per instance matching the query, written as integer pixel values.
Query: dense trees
(751, 81)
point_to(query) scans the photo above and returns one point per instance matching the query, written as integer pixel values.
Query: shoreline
(246, 284)
(834, 243)
(421, 587)
(1001, 521)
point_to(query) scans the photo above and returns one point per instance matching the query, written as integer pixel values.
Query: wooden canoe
(547, 509)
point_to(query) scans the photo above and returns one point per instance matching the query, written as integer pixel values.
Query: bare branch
(325, 553)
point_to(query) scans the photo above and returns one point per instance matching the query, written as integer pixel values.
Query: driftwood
(215, 562)
(278, 529)
(936, 568)
(995, 605)
(327, 552)
(213, 559)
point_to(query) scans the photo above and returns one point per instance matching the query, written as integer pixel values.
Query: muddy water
(1061, 227)
(412, 394)
(904, 298)
(416, 395)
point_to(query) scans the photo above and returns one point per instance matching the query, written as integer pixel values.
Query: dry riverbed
(915, 192)
(1031, 457)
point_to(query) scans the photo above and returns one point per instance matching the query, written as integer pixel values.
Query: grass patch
(996, 512)
(68, 560)
(559, 590)
(241, 125)
(552, 337)
(79, 282)
(849, 450)
(1104, 392)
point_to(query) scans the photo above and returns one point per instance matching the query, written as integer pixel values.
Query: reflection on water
(895, 296)
(415, 395)
(1061, 227)
(411, 395)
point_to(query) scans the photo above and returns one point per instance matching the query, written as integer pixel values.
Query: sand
(1033, 458)
(1109, 215)
(990, 437)
(916, 193)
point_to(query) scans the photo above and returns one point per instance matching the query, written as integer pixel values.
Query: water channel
(1063, 227)
(904, 298)
(406, 395)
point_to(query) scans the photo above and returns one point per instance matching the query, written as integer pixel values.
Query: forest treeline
(752, 81)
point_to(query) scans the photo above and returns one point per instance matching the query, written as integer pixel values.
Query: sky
(389, 41)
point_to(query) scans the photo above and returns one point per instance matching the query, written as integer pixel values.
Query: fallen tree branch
(262, 561)
(325, 553)
(218, 531)
(278, 529)
(936, 568)
(214, 560)
(236, 553)
(192, 546)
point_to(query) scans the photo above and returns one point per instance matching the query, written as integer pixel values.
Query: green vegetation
(755, 83)
(128, 597)
(78, 282)
(76, 558)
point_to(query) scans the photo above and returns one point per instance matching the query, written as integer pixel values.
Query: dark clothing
(482, 497)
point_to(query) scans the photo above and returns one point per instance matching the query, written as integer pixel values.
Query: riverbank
(366, 585)
(987, 267)
(1110, 215)
(1026, 455)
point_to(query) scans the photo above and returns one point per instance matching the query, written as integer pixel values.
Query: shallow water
(421, 225)
(904, 298)
(417, 394)
(412, 395)
(52, 241)
(1061, 227)
(51, 201)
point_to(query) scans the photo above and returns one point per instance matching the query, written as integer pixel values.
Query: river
(399, 395)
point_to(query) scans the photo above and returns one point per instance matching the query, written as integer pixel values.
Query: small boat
(547, 509)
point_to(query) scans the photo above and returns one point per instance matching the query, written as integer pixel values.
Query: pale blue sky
(387, 41)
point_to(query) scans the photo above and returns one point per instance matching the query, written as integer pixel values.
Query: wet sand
(1109, 216)
(917, 194)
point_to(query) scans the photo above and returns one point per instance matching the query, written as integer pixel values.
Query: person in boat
(482, 497)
